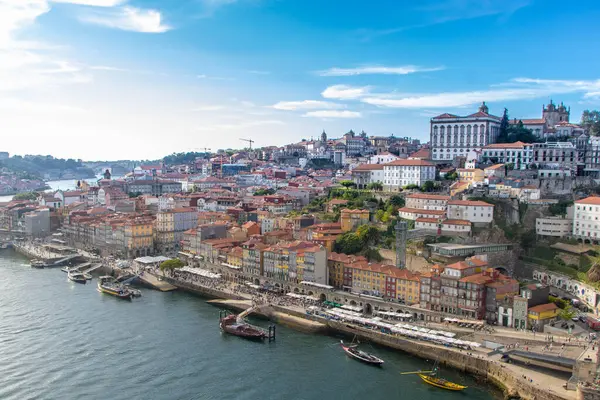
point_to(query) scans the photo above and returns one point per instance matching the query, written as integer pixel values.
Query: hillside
(47, 167)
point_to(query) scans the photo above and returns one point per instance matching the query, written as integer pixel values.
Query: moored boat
(87, 276)
(77, 277)
(38, 264)
(70, 269)
(234, 326)
(440, 382)
(109, 285)
(353, 352)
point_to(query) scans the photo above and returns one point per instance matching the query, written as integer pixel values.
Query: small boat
(109, 285)
(38, 264)
(77, 277)
(236, 326)
(70, 269)
(354, 352)
(440, 382)
(87, 276)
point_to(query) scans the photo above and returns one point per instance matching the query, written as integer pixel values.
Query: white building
(585, 221)
(555, 154)
(518, 153)
(554, 226)
(477, 212)
(383, 158)
(400, 173)
(364, 174)
(424, 201)
(414, 213)
(446, 226)
(454, 136)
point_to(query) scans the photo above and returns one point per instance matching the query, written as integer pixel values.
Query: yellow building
(139, 236)
(470, 175)
(407, 286)
(235, 257)
(352, 219)
(541, 315)
(458, 187)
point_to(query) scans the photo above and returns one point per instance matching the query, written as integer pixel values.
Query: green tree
(348, 243)
(171, 264)
(348, 184)
(379, 215)
(396, 201)
(428, 186)
(378, 186)
(504, 127)
(264, 192)
(372, 255)
(368, 235)
(567, 313)
(453, 176)
(591, 121)
(26, 196)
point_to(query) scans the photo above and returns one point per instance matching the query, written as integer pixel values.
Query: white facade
(427, 201)
(414, 213)
(401, 173)
(586, 224)
(519, 154)
(553, 226)
(472, 211)
(454, 136)
(448, 225)
(383, 158)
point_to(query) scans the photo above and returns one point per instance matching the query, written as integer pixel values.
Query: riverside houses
(296, 262)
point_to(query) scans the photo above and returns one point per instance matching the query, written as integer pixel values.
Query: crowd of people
(194, 279)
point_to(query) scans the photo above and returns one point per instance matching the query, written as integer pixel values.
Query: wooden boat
(440, 382)
(109, 285)
(354, 352)
(77, 277)
(87, 276)
(236, 326)
(38, 264)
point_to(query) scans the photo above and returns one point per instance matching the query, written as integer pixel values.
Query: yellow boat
(441, 383)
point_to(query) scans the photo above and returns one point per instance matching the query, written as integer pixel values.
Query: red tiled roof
(419, 211)
(409, 163)
(457, 222)
(422, 153)
(427, 196)
(594, 200)
(368, 167)
(543, 308)
(515, 145)
(540, 121)
(495, 166)
(481, 114)
(446, 115)
(469, 203)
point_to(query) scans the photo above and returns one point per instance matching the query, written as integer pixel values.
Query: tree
(453, 176)
(567, 313)
(171, 264)
(348, 243)
(428, 186)
(590, 120)
(26, 196)
(264, 192)
(348, 184)
(397, 201)
(378, 186)
(504, 126)
(379, 215)
(368, 235)
(372, 255)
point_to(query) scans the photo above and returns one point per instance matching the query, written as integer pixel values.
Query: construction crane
(249, 141)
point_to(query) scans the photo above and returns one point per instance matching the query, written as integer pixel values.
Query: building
(535, 294)
(555, 154)
(37, 223)
(519, 312)
(444, 226)
(554, 226)
(364, 174)
(519, 154)
(296, 262)
(70, 197)
(477, 212)
(352, 219)
(424, 201)
(383, 158)
(585, 221)
(472, 176)
(454, 136)
(496, 170)
(540, 316)
(414, 213)
(154, 187)
(400, 173)
(336, 263)
(138, 236)
(170, 226)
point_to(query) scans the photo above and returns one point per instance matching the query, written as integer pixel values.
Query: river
(61, 340)
(65, 184)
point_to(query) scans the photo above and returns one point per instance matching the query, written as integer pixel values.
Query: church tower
(323, 136)
(555, 115)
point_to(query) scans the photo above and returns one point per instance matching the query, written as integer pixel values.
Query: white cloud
(345, 92)
(94, 3)
(209, 108)
(305, 105)
(129, 19)
(241, 125)
(108, 68)
(333, 114)
(373, 70)
(516, 89)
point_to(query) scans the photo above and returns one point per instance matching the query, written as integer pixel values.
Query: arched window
(475, 129)
(442, 129)
(462, 129)
(442, 137)
(455, 129)
(468, 129)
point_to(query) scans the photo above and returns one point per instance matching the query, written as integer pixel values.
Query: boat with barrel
(432, 378)
(353, 352)
(109, 285)
(77, 277)
(237, 326)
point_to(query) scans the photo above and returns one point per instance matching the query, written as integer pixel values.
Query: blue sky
(112, 79)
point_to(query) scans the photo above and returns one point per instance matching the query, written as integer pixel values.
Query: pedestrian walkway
(154, 282)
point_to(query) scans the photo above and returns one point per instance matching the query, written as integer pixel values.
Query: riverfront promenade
(514, 379)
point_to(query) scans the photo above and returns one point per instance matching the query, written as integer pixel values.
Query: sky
(140, 79)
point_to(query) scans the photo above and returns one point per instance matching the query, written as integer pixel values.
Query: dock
(153, 282)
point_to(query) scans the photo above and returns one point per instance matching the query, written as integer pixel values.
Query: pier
(153, 281)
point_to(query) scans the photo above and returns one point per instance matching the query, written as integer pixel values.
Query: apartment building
(586, 224)
(424, 201)
(400, 173)
(519, 154)
(477, 212)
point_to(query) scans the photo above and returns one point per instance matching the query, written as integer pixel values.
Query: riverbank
(513, 380)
